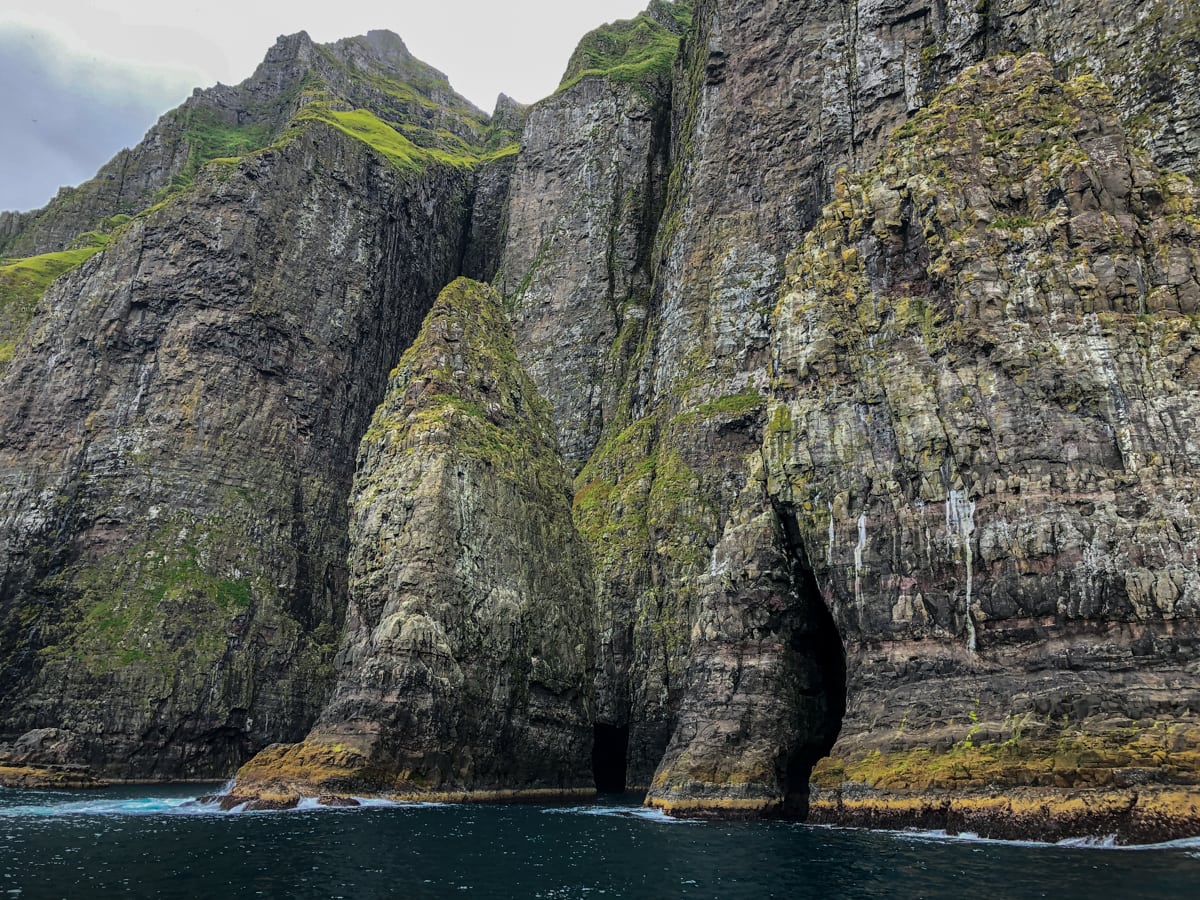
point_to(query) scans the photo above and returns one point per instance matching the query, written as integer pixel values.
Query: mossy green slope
(639, 51)
(24, 281)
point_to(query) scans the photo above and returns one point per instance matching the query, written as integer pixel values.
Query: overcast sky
(80, 79)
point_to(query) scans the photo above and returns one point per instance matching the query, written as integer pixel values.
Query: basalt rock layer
(866, 329)
(978, 457)
(770, 101)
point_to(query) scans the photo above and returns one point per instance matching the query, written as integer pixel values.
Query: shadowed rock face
(585, 197)
(177, 438)
(468, 652)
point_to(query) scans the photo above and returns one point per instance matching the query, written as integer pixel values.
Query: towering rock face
(770, 101)
(177, 438)
(467, 661)
(584, 203)
(978, 456)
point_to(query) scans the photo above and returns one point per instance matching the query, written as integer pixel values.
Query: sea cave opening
(820, 658)
(610, 750)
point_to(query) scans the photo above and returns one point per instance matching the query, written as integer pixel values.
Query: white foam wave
(625, 812)
(1107, 842)
(187, 806)
(384, 803)
(138, 806)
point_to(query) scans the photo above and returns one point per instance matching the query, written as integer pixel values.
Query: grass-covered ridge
(389, 141)
(23, 281)
(209, 138)
(637, 51)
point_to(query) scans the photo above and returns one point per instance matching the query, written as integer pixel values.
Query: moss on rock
(639, 51)
(466, 664)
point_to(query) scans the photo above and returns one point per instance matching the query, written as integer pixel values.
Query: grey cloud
(65, 115)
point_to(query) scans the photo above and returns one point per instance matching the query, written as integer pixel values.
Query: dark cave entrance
(820, 659)
(610, 749)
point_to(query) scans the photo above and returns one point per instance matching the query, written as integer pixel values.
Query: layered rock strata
(768, 104)
(466, 666)
(917, 494)
(979, 457)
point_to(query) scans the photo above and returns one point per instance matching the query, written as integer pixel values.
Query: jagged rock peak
(383, 50)
(374, 73)
(509, 113)
(376, 46)
(289, 47)
(382, 41)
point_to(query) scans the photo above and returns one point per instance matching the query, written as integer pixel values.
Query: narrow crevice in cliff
(610, 752)
(820, 662)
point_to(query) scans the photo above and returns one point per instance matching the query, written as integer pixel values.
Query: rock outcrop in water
(866, 330)
(465, 668)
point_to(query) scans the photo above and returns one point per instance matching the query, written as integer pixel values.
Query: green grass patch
(210, 138)
(24, 281)
(730, 406)
(387, 140)
(637, 51)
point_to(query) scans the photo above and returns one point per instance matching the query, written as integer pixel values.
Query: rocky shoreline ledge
(1138, 782)
(279, 801)
(1152, 816)
(70, 778)
(1132, 817)
(285, 776)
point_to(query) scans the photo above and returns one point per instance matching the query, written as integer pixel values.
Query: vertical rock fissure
(610, 754)
(820, 659)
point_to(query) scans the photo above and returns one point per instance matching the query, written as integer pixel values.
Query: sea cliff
(812, 433)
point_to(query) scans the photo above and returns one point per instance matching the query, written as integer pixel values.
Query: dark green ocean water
(134, 842)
